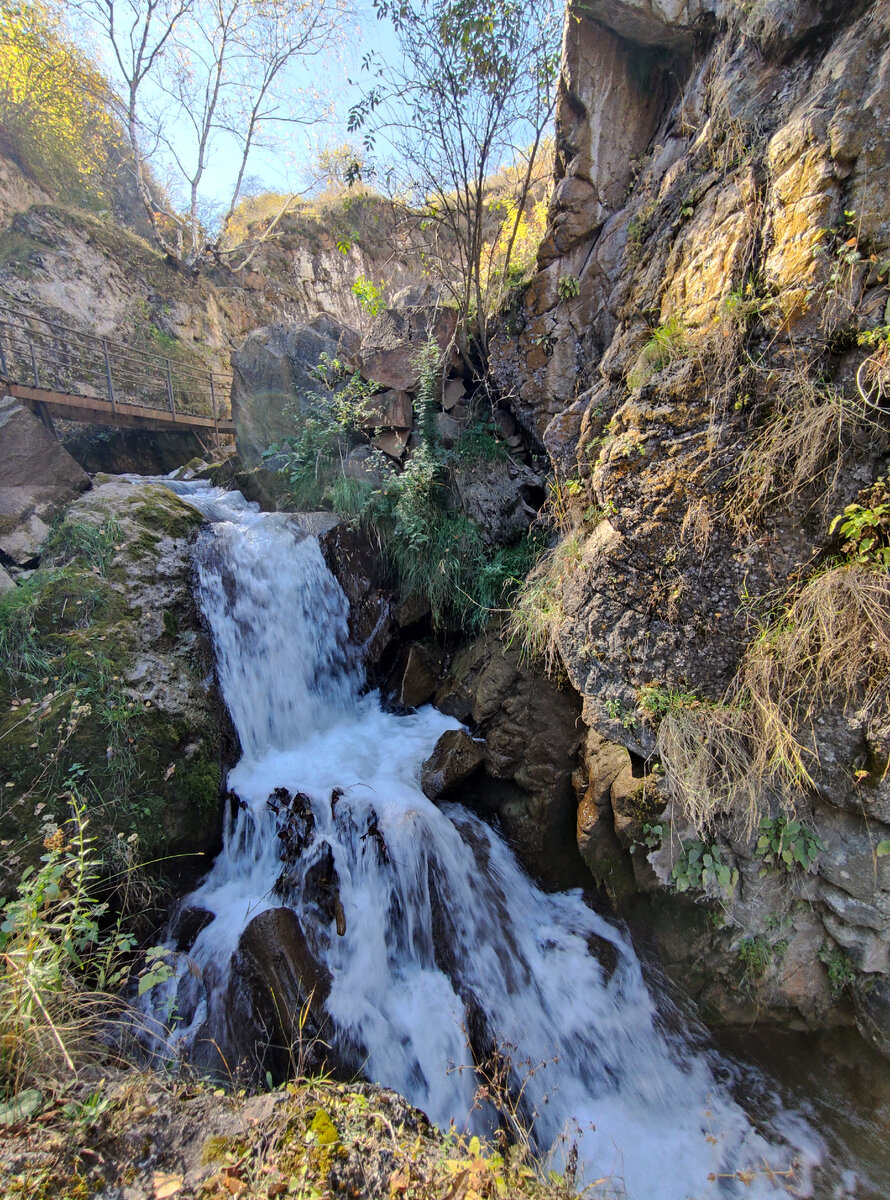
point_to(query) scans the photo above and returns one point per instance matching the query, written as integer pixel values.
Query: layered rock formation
(722, 208)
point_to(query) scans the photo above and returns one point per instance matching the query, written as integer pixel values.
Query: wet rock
(389, 350)
(271, 370)
(321, 885)
(871, 998)
(186, 924)
(455, 758)
(415, 675)
(361, 571)
(274, 979)
(37, 478)
(373, 836)
(411, 609)
(265, 486)
(532, 741)
(296, 822)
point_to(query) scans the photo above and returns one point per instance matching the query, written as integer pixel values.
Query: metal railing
(45, 354)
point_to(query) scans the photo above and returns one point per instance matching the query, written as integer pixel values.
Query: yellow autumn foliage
(55, 106)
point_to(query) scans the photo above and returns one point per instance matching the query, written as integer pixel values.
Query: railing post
(170, 388)
(3, 371)
(109, 384)
(34, 366)
(215, 418)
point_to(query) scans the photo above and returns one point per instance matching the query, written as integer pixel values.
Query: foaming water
(443, 941)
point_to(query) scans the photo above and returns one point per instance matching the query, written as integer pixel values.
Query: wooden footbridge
(59, 371)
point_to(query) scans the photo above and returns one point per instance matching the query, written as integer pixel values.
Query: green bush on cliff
(434, 549)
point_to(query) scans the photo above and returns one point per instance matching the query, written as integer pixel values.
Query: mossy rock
(113, 704)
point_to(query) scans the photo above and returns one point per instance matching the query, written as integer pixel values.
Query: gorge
(503, 719)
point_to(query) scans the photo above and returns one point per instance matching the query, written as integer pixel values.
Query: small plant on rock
(841, 972)
(568, 287)
(785, 844)
(755, 955)
(866, 528)
(701, 867)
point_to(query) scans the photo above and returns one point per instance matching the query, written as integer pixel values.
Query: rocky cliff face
(88, 271)
(714, 277)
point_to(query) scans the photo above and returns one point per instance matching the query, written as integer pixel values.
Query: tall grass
(830, 643)
(799, 450)
(22, 654)
(538, 613)
(58, 966)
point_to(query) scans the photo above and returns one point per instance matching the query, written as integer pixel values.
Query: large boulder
(455, 757)
(271, 371)
(389, 350)
(361, 570)
(533, 736)
(273, 1013)
(37, 478)
(113, 670)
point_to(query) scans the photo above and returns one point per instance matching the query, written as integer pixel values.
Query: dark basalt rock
(455, 758)
(275, 979)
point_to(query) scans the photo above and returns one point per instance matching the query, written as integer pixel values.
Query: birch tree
(198, 78)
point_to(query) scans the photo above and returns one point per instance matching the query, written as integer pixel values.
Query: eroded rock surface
(733, 261)
(37, 478)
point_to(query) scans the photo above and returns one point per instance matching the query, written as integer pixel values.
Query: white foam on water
(443, 928)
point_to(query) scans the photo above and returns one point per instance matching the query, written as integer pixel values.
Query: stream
(439, 939)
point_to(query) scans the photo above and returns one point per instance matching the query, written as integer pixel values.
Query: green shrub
(369, 295)
(434, 550)
(60, 958)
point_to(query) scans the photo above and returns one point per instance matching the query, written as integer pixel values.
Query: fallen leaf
(166, 1184)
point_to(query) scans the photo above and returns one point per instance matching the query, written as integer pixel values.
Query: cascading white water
(442, 927)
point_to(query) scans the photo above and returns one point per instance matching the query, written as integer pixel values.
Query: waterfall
(439, 937)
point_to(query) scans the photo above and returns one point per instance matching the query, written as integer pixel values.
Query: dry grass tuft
(800, 450)
(831, 644)
(698, 525)
(538, 612)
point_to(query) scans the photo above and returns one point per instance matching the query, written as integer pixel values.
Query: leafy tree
(55, 106)
(203, 77)
(471, 93)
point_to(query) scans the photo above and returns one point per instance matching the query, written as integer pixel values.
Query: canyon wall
(713, 278)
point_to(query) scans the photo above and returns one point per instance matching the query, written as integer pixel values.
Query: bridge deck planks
(100, 412)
